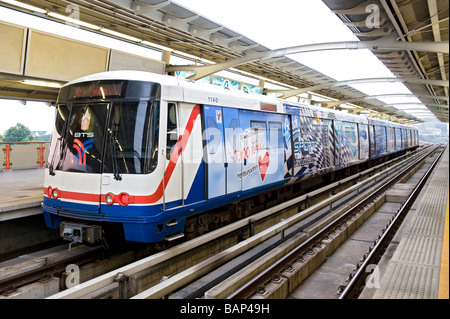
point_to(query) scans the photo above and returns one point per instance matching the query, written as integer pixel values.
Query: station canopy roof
(172, 26)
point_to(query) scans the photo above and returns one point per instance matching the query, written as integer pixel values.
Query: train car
(136, 153)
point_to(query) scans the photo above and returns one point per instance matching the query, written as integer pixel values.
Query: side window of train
(153, 136)
(172, 135)
(275, 135)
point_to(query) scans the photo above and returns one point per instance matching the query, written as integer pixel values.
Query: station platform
(21, 193)
(22, 226)
(415, 265)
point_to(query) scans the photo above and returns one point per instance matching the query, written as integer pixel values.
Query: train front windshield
(106, 127)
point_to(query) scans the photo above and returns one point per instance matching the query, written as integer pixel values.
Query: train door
(372, 141)
(193, 185)
(328, 143)
(363, 141)
(232, 150)
(334, 159)
(172, 186)
(256, 157)
(214, 154)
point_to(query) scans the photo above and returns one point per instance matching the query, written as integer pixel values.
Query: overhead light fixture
(42, 83)
(73, 20)
(120, 35)
(25, 6)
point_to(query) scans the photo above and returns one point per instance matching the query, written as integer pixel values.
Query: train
(138, 155)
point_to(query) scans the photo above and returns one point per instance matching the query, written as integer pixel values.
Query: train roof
(177, 89)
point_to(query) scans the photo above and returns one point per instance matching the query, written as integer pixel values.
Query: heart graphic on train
(263, 164)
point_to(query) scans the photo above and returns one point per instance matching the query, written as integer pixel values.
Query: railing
(18, 155)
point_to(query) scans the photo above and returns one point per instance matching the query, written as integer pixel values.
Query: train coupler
(80, 233)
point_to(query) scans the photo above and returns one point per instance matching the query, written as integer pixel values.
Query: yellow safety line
(16, 199)
(443, 278)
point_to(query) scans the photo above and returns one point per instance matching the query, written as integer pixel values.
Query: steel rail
(10, 284)
(249, 288)
(350, 290)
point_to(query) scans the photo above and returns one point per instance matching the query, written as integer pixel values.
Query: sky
(37, 116)
(288, 23)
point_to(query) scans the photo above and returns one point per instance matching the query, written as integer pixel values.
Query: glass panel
(57, 140)
(172, 135)
(132, 142)
(84, 138)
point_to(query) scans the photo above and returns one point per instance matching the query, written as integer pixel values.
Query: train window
(153, 138)
(275, 135)
(233, 133)
(83, 138)
(398, 139)
(260, 130)
(381, 139)
(62, 115)
(132, 139)
(372, 140)
(363, 141)
(172, 134)
(213, 135)
(58, 135)
(328, 142)
(391, 139)
(259, 137)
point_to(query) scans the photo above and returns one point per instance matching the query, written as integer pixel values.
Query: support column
(165, 57)
(261, 84)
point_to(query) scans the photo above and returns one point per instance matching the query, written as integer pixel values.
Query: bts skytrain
(134, 154)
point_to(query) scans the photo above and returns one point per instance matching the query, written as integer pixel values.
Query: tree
(18, 133)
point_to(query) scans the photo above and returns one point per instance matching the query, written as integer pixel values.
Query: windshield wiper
(115, 166)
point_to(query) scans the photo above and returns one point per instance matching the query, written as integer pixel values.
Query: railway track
(278, 280)
(185, 270)
(41, 273)
(42, 267)
(358, 278)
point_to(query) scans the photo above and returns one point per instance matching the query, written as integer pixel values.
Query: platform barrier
(20, 155)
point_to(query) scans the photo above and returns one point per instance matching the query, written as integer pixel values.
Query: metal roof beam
(205, 70)
(414, 57)
(289, 93)
(372, 97)
(432, 7)
(433, 106)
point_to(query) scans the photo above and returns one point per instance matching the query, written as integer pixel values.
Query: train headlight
(55, 193)
(109, 199)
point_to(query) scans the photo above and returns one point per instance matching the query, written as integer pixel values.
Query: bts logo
(82, 148)
(82, 134)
